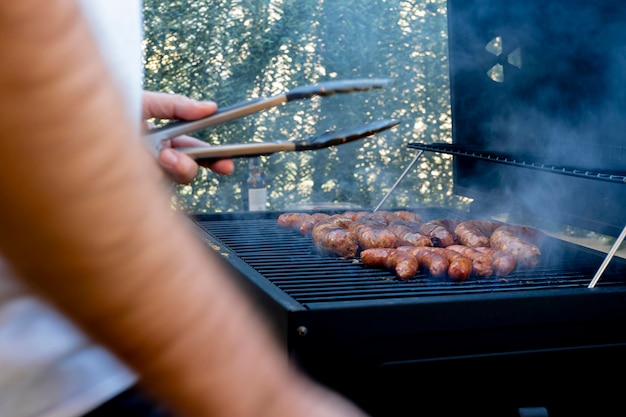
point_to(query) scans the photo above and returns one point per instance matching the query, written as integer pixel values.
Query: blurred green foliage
(234, 50)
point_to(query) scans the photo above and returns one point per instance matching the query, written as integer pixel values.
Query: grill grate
(291, 263)
(614, 177)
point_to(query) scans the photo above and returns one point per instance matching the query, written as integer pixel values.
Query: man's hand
(180, 167)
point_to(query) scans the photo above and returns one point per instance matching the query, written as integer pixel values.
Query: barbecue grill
(536, 342)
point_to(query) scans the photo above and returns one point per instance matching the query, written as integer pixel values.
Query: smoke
(545, 82)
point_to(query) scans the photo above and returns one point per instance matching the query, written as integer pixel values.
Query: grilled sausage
(306, 226)
(482, 263)
(408, 233)
(460, 267)
(373, 233)
(292, 220)
(503, 262)
(302, 222)
(408, 216)
(475, 233)
(441, 232)
(364, 215)
(516, 241)
(352, 215)
(331, 235)
(404, 226)
(404, 265)
(386, 216)
(436, 264)
(376, 237)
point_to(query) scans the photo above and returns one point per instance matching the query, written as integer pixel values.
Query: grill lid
(541, 81)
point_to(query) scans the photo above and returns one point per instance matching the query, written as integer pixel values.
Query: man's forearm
(87, 224)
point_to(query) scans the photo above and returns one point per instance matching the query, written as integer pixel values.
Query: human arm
(87, 223)
(181, 168)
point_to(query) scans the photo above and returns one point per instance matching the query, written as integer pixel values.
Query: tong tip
(332, 138)
(329, 88)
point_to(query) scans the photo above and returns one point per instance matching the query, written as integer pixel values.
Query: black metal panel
(542, 81)
(486, 356)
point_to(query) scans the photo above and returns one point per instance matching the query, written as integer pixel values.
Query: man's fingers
(186, 142)
(181, 168)
(175, 107)
(223, 166)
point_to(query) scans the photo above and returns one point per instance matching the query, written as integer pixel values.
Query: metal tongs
(157, 135)
(330, 138)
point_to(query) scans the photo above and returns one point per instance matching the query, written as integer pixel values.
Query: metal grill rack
(291, 262)
(456, 150)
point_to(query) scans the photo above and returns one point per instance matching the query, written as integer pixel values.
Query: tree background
(234, 50)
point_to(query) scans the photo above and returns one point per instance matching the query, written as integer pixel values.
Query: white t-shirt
(48, 368)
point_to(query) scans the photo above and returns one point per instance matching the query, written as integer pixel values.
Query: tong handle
(226, 114)
(239, 150)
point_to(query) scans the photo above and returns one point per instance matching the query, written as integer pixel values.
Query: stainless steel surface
(325, 140)
(237, 111)
(172, 130)
(238, 150)
(608, 258)
(406, 171)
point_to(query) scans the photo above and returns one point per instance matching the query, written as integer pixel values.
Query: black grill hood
(543, 82)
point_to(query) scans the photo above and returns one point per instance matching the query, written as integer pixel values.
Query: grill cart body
(542, 83)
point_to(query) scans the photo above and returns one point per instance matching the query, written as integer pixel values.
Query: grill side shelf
(613, 177)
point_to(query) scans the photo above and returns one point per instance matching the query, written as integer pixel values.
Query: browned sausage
(302, 222)
(352, 215)
(373, 233)
(306, 226)
(503, 262)
(404, 265)
(408, 233)
(403, 226)
(332, 235)
(475, 232)
(460, 266)
(441, 232)
(364, 215)
(408, 216)
(515, 240)
(375, 256)
(386, 216)
(292, 220)
(436, 264)
(376, 237)
(482, 263)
